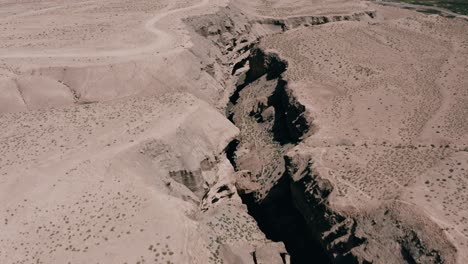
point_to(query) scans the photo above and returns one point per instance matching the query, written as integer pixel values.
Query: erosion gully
(271, 122)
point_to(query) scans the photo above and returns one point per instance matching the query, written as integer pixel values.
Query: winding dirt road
(164, 40)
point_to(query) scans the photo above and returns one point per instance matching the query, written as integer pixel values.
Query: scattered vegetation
(457, 6)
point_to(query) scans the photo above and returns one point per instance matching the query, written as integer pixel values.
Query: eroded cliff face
(390, 234)
(292, 201)
(271, 122)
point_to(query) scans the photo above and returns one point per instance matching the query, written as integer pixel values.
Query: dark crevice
(260, 64)
(238, 66)
(231, 152)
(279, 219)
(276, 214)
(283, 257)
(290, 123)
(407, 256)
(223, 189)
(254, 257)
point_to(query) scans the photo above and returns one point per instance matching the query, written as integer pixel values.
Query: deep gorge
(281, 119)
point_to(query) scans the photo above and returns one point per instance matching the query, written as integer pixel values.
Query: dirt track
(164, 38)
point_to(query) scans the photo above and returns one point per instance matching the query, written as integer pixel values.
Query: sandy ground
(90, 170)
(97, 50)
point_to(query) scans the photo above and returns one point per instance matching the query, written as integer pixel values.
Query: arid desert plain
(232, 131)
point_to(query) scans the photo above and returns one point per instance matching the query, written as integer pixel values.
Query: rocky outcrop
(193, 180)
(296, 207)
(309, 193)
(234, 33)
(383, 235)
(296, 21)
(271, 122)
(288, 198)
